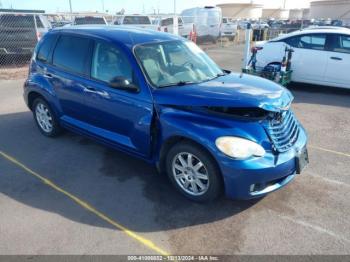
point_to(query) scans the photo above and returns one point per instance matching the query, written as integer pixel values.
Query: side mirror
(123, 84)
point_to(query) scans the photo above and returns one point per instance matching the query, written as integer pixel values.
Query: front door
(118, 116)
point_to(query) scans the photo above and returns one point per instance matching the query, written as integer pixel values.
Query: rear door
(309, 59)
(69, 70)
(338, 57)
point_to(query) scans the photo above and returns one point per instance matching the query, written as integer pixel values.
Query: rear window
(45, 48)
(89, 21)
(136, 20)
(71, 53)
(310, 41)
(17, 21)
(167, 21)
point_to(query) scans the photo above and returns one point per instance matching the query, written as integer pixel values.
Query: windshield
(176, 63)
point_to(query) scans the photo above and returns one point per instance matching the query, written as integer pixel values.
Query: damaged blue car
(159, 97)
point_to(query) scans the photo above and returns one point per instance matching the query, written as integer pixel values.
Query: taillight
(38, 35)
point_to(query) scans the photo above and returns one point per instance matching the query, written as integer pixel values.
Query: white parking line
(314, 227)
(329, 150)
(332, 181)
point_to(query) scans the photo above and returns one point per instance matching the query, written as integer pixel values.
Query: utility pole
(70, 7)
(284, 4)
(103, 6)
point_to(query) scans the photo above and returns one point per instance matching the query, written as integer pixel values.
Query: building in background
(241, 10)
(276, 13)
(333, 9)
(299, 14)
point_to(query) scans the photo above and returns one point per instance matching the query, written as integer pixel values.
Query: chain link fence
(20, 32)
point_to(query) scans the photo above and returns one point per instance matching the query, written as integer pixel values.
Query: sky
(135, 6)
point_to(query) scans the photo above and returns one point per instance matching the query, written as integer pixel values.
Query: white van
(207, 21)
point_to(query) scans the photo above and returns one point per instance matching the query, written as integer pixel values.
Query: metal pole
(71, 11)
(175, 21)
(248, 33)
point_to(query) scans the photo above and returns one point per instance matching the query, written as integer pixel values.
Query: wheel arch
(173, 140)
(31, 98)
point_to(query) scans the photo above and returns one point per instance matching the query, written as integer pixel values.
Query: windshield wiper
(180, 83)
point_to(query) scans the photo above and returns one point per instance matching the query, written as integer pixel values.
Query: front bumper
(256, 177)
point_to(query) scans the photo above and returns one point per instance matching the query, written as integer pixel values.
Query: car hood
(232, 90)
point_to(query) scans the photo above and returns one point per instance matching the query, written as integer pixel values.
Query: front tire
(45, 118)
(194, 172)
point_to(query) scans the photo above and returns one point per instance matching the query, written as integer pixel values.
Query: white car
(207, 21)
(166, 24)
(321, 56)
(141, 21)
(228, 28)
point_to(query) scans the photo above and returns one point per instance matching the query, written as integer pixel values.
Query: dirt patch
(13, 72)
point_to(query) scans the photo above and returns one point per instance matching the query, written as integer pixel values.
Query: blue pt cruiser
(161, 98)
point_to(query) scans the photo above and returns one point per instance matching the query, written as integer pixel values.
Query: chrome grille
(283, 130)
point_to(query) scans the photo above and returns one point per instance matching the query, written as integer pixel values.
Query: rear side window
(45, 48)
(311, 41)
(317, 41)
(71, 53)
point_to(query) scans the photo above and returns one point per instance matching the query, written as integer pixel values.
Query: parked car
(19, 33)
(207, 21)
(89, 20)
(321, 55)
(228, 28)
(159, 97)
(141, 21)
(259, 25)
(166, 24)
(243, 24)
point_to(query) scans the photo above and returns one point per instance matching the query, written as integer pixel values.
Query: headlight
(239, 147)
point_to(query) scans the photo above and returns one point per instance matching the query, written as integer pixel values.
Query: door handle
(336, 58)
(48, 75)
(94, 91)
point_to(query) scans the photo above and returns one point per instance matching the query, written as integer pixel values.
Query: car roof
(318, 30)
(124, 35)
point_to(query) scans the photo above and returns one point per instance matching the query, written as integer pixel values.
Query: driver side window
(108, 62)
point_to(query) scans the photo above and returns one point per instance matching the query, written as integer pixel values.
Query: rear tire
(194, 172)
(45, 118)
